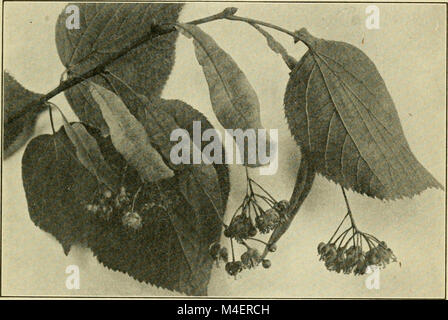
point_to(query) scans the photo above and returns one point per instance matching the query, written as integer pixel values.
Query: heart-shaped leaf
(18, 127)
(169, 250)
(129, 137)
(105, 29)
(58, 188)
(340, 112)
(233, 98)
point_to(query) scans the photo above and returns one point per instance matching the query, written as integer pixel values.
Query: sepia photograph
(264, 150)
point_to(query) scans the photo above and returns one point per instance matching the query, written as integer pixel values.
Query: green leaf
(129, 137)
(170, 250)
(233, 98)
(340, 112)
(105, 29)
(18, 128)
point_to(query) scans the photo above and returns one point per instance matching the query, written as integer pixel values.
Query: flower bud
(214, 250)
(266, 263)
(132, 220)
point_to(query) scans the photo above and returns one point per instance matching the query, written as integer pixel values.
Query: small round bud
(234, 267)
(245, 259)
(252, 231)
(214, 249)
(320, 247)
(132, 220)
(266, 263)
(281, 205)
(107, 194)
(227, 233)
(230, 11)
(272, 247)
(223, 254)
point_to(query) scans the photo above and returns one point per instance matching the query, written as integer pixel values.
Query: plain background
(409, 51)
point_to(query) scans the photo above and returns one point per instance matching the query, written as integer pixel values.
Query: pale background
(409, 51)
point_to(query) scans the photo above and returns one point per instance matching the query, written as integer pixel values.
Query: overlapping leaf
(160, 118)
(171, 248)
(233, 98)
(89, 153)
(105, 29)
(157, 123)
(18, 128)
(129, 137)
(339, 110)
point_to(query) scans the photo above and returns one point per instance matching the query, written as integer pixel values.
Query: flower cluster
(105, 204)
(250, 218)
(132, 219)
(249, 259)
(218, 253)
(345, 254)
(108, 203)
(240, 228)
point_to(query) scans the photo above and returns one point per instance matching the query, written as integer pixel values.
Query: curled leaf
(304, 182)
(340, 112)
(276, 47)
(129, 137)
(89, 153)
(233, 98)
(157, 122)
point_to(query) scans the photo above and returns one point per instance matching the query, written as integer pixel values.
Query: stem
(50, 112)
(135, 197)
(349, 211)
(258, 240)
(261, 23)
(337, 229)
(233, 252)
(264, 190)
(342, 234)
(156, 31)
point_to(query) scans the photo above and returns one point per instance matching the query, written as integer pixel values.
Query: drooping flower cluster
(249, 219)
(108, 203)
(345, 254)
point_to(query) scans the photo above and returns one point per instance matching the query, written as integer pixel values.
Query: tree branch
(156, 31)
